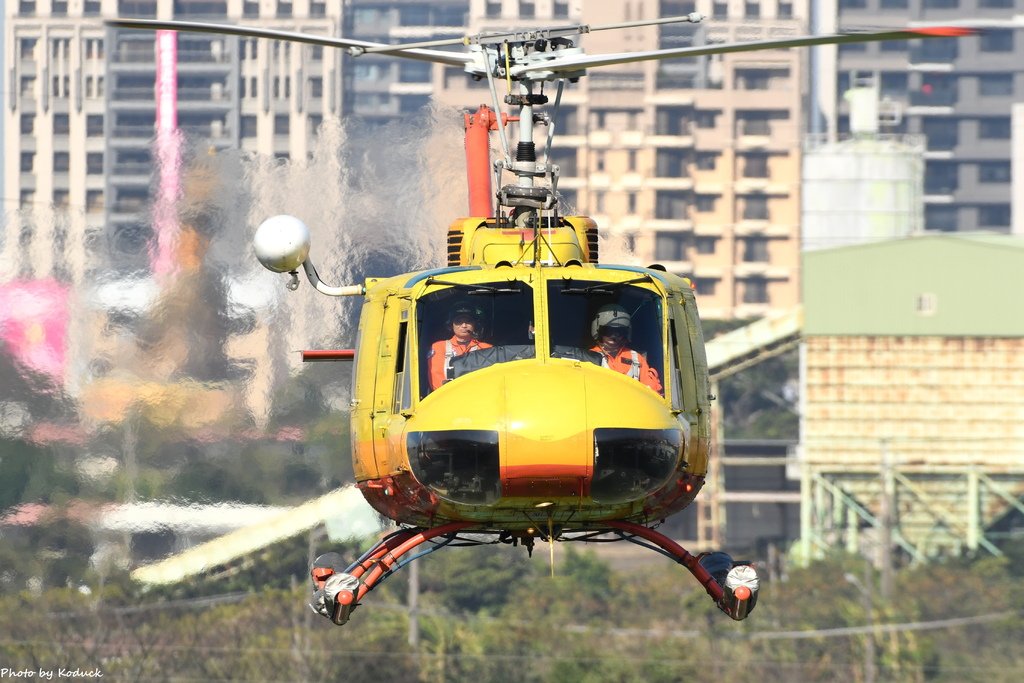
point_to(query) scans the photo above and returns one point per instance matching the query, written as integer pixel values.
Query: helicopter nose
(546, 425)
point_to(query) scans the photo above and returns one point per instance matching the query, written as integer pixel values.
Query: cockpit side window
(586, 318)
(464, 328)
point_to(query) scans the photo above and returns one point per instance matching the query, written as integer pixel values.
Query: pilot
(611, 330)
(466, 324)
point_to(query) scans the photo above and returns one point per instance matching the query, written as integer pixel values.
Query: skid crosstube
(338, 589)
(733, 586)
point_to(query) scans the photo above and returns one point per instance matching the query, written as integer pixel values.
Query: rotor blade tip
(946, 31)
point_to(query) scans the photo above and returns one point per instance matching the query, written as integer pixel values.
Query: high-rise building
(957, 92)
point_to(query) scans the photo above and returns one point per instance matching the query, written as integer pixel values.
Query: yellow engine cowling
(475, 241)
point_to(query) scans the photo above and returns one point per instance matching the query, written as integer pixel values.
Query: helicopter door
(391, 390)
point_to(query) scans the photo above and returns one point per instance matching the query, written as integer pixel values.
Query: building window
(755, 166)
(994, 171)
(893, 4)
(752, 10)
(284, 9)
(250, 9)
(670, 246)
(755, 250)
(94, 201)
(143, 9)
(94, 163)
(997, 40)
(996, 4)
(893, 84)
(28, 86)
(705, 286)
(706, 118)
(94, 125)
(705, 161)
(28, 124)
(91, 8)
(705, 203)
(941, 177)
(995, 85)
(599, 202)
(318, 9)
(61, 124)
(565, 159)
(752, 79)
(60, 199)
(527, 10)
(28, 161)
(994, 128)
(493, 9)
(994, 216)
(414, 72)
(281, 125)
(705, 244)
(316, 87)
(893, 46)
(941, 4)
(755, 208)
(938, 50)
(27, 48)
(631, 203)
(248, 126)
(941, 218)
(852, 4)
(671, 205)
(61, 162)
(561, 10)
(755, 291)
(785, 10)
(756, 122)
(27, 8)
(926, 304)
(942, 133)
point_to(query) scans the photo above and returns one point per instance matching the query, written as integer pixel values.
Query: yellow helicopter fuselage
(535, 431)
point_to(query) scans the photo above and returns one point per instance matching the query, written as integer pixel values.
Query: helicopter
(533, 434)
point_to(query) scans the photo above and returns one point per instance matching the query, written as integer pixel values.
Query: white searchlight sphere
(281, 243)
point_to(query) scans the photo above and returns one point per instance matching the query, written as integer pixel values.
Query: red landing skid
(339, 589)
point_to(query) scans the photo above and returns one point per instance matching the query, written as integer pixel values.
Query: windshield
(467, 327)
(615, 325)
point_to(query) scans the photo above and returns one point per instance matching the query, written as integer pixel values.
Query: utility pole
(887, 513)
(867, 601)
(413, 604)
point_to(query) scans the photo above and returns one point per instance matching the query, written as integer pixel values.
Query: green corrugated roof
(969, 284)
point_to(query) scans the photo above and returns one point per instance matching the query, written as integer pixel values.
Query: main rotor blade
(577, 63)
(438, 56)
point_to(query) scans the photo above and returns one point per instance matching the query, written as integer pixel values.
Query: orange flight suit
(439, 355)
(632, 363)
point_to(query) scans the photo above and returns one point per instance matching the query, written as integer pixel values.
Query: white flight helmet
(611, 315)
